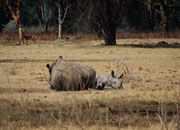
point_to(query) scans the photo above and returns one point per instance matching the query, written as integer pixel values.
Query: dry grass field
(150, 98)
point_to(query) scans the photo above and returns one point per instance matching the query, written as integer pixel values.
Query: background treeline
(134, 15)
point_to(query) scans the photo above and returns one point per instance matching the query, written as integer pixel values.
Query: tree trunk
(39, 12)
(1, 28)
(40, 22)
(46, 27)
(110, 36)
(16, 16)
(175, 17)
(150, 8)
(109, 24)
(62, 11)
(59, 22)
(165, 15)
(20, 34)
(151, 25)
(61, 17)
(60, 31)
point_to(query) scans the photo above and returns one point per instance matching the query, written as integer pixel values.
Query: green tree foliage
(136, 15)
(37, 13)
(10, 27)
(4, 17)
(29, 13)
(99, 16)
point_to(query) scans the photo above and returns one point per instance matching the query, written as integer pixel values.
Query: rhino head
(109, 81)
(114, 81)
(51, 67)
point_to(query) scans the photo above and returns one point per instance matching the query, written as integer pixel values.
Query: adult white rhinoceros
(65, 76)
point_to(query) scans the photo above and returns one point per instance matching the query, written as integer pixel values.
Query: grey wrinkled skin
(109, 81)
(66, 76)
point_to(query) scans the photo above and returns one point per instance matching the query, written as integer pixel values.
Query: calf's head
(115, 82)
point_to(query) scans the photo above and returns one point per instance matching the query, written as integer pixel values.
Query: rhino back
(68, 77)
(88, 75)
(103, 79)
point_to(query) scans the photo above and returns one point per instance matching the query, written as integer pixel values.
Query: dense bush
(10, 27)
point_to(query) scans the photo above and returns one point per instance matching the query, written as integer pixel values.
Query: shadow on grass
(174, 45)
(51, 60)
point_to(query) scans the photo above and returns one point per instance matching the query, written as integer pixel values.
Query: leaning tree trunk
(17, 17)
(110, 35)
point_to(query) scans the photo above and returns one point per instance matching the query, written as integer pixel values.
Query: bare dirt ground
(150, 97)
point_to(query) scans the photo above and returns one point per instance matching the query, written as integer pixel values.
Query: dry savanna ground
(150, 98)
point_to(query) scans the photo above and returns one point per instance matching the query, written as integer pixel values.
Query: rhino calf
(66, 76)
(109, 81)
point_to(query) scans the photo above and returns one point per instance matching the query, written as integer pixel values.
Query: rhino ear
(121, 76)
(112, 73)
(48, 66)
(60, 57)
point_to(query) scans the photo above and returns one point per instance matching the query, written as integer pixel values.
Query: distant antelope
(161, 43)
(55, 33)
(29, 37)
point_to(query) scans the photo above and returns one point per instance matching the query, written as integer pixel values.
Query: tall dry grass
(149, 100)
(86, 109)
(41, 35)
